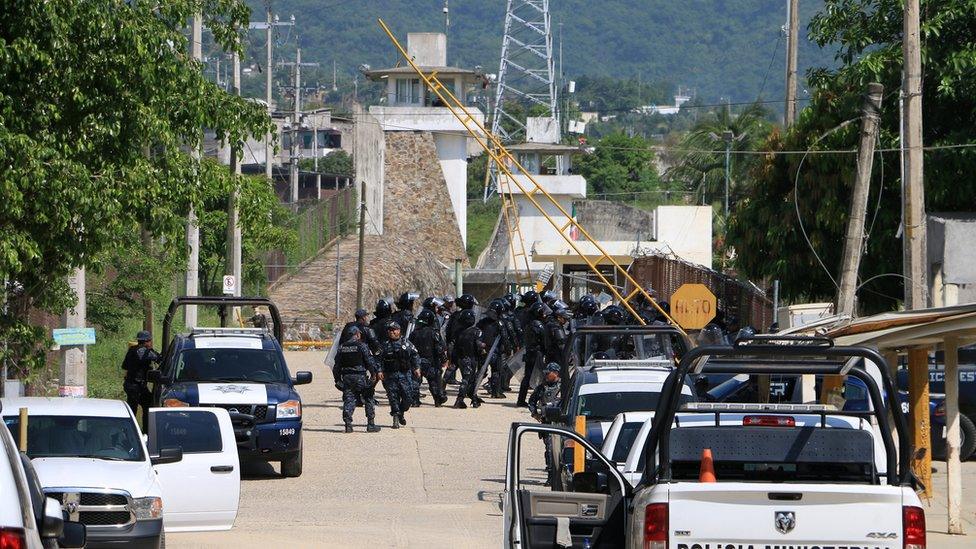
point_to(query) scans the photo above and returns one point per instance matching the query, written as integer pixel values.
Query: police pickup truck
(742, 475)
(242, 370)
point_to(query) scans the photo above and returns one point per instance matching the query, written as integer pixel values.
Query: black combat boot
(349, 427)
(403, 420)
(459, 403)
(372, 427)
(396, 422)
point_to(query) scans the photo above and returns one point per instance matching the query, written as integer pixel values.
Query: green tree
(867, 33)
(337, 162)
(99, 103)
(618, 167)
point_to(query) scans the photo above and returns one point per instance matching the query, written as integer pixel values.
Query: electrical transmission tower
(527, 73)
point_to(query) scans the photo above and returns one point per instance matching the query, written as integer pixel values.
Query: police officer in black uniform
(137, 363)
(381, 314)
(556, 334)
(399, 362)
(355, 374)
(585, 309)
(467, 354)
(367, 335)
(493, 334)
(426, 337)
(546, 394)
(534, 337)
(404, 313)
(465, 302)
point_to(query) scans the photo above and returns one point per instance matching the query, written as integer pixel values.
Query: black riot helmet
(383, 308)
(466, 318)
(427, 317)
(614, 315)
(406, 300)
(496, 308)
(548, 297)
(466, 301)
(711, 334)
(433, 303)
(587, 305)
(529, 297)
(511, 300)
(747, 332)
(538, 310)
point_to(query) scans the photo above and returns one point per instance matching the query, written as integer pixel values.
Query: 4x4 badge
(785, 521)
(240, 389)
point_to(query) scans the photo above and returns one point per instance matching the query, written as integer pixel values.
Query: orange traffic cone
(707, 473)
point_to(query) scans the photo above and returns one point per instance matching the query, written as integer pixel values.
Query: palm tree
(700, 157)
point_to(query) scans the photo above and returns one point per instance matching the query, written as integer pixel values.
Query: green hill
(720, 48)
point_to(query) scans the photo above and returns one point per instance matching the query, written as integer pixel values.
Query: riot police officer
(529, 298)
(381, 314)
(399, 362)
(465, 302)
(404, 313)
(545, 395)
(355, 374)
(556, 335)
(585, 309)
(534, 337)
(367, 335)
(433, 355)
(495, 340)
(467, 354)
(137, 363)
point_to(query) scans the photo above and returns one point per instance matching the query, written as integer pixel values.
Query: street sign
(693, 306)
(230, 285)
(73, 336)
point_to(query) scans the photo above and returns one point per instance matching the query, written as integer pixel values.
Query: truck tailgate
(768, 516)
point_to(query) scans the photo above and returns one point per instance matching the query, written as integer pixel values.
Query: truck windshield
(108, 438)
(255, 365)
(606, 406)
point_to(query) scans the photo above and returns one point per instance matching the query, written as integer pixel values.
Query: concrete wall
(418, 203)
(687, 230)
(369, 150)
(952, 265)
(428, 49)
(452, 154)
(608, 220)
(535, 227)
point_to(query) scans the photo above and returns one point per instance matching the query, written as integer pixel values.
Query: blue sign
(74, 336)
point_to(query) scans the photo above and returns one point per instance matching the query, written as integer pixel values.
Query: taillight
(656, 526)
(913, 527)
(12, 538)
(769, 421)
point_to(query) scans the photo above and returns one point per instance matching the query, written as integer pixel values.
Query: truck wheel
(292, 467)
(162, 540)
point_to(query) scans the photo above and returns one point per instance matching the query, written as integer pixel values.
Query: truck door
(202, 491)
(589, 506)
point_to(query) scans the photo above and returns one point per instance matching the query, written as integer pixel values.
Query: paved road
(434, 483)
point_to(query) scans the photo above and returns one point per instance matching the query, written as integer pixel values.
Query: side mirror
(590, 482)
(52, 523)
(154, 376)
(552, 414)
(167, 455)
(303, 378)
(75, 535)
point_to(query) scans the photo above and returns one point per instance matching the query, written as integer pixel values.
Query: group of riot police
(449, 341)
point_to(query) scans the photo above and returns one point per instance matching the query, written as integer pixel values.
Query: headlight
(174, 403)
(147, 508)
(289, 409)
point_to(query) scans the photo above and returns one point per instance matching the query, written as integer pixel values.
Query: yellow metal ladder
(532, 191)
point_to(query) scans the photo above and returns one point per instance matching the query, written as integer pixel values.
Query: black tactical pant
(469, 369)
(137, 394)
(434, 382)
(531, 359)
(399, 391)
(357, 387)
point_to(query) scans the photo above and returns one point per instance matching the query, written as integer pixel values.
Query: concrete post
(74, 358)
(192, 229)
(953, 439)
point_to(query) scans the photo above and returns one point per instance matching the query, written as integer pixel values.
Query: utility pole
(854, 241)
(268, 26)
(916, 271)
(362, 245)
(792, 33)
(233, 265)
(73, 381)
(192, 228)
(296, 123)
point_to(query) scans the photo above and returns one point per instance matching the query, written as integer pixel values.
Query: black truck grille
(104, 518)
(94, 508)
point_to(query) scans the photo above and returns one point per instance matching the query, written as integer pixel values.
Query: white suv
(91, 457)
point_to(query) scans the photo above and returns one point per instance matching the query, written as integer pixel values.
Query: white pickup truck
(785, 475)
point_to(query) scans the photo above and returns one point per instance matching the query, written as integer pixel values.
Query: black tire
(967, 441)
(292, 466)
(162, 540)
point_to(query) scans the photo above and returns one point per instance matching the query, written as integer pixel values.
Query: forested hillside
(721, 48)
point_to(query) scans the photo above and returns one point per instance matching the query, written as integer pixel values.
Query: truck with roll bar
(239, 369)
(757, 475)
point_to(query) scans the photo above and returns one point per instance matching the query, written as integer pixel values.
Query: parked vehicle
(628, 430)
(760, 474)
(241, 370)
(28, 519)
(92, 459)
